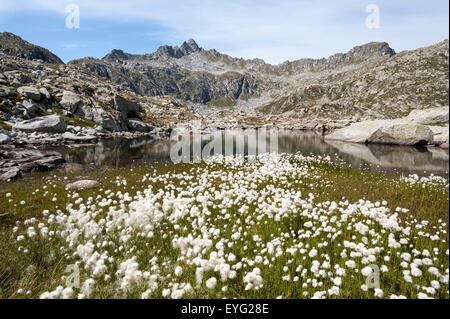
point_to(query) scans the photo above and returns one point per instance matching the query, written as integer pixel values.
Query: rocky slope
(207, 76)
(13, 45)
(386, 87)
(126, 92)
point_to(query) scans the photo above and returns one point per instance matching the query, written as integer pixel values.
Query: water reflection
(121, 152)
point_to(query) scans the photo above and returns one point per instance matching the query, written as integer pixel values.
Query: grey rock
(4, 139)
(83, 184)
(85, 111)
(30, 92)
(440, 134)
(30, 107)
(438, 115)
(50, 124)
(45, 93)
(105, 119)
(79, 138)
(70, 101)
(135, 124)
(11, 174)
(50, 162)
(89, 131)
(402, 134)
(5, 91)
(358, 132)
(125, 106)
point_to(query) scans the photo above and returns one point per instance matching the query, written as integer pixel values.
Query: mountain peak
(190, 46)
(373, 49)
(116, 55)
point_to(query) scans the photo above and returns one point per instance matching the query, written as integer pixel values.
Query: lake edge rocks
(415, 129)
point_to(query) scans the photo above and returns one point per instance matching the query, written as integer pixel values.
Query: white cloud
(273, 30)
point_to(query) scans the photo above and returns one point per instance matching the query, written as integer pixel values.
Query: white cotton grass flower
(178, 271)
(215, 215)
(211, 283)
(166, 292)
(378, 293)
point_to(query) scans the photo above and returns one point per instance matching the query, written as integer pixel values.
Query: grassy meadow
(283, 227)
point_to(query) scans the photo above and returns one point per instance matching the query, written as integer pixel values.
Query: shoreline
(33, 154)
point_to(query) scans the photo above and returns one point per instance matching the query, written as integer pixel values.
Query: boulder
(85, 111)
(45, 93)
(4, 138)
(125, 106)
(433, 116)
(358, 132)
(30, 92)
(49, 124)
(30, 107)
(83, 184)
(5, 91)
(402, 134)
(135, 124)
(70, 101)
(10, 174)
(103, 118)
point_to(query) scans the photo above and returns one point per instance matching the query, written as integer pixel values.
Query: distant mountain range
(370, 80)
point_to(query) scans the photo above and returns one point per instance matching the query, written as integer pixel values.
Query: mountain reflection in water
(141, 151)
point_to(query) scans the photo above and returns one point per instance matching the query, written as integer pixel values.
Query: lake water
(121, 152)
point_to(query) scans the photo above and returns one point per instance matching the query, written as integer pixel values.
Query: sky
(274, 30)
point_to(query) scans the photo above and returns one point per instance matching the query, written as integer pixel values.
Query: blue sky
(275, 30)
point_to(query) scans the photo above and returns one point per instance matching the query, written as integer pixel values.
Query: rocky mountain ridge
(370, 81)
(13, 45)
(207, 76)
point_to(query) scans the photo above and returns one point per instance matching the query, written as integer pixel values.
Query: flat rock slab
(50, 124)
(83, 184)
(437, 115)
(11, 174)
(50, 163)
(79, 138)
(17, 162)
(30, 92)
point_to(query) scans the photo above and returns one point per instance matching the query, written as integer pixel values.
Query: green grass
(330, 183)
(223, 102)
(5, 126)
